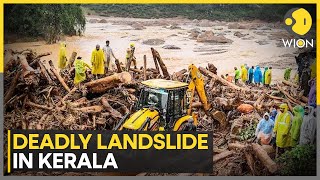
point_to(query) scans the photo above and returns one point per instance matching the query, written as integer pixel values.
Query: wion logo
(298, 21)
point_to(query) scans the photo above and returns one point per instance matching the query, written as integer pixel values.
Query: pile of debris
(37, 96)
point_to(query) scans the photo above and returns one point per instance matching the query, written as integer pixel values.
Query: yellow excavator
(166, 105)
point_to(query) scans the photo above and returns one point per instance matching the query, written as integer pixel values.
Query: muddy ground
(254, 43)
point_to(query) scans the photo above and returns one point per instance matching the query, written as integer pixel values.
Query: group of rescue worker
(286, 130)
(251, 75)
(101, 61)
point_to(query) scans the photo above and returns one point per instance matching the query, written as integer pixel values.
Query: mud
(176, 31)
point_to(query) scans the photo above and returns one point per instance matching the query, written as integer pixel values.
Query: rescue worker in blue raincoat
(257, 75)
(251, 70)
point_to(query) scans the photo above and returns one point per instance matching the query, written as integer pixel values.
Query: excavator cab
(163, 104)
(167, 105)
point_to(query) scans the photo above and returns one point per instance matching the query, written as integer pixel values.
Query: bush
(301, 160)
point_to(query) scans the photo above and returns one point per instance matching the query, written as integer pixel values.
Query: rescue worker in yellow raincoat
(282, 128)
(130, 57)
(244, 73)
(62, 61)
(80, 71)
(267, 80)
(97, 61)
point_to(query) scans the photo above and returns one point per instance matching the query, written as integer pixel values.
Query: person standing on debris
(273, 114)
(257, 76)
(264, 75)
(282, 128)
(244, 74)
(80, 71)
(62, 62)
(298, 113)
(287, 74)
(130, 57)
(236, 75)
(308, 128)
(97, 61)
(264, 129)
(267, 78)
(251, 70)
(107, 54)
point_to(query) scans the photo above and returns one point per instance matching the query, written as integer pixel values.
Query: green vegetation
(225, 12)
(301, 160)
(248, 132)
(48, 21)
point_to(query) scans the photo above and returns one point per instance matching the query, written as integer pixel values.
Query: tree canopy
(49, 21)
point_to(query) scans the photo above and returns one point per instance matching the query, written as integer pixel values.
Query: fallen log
(290, 98)
(161, 63)
(250, 161)
(114, 113)
(290, 83)
(269, 149)
(233, 146)
(12, 87)
(264, 158)
(221, 156)
(90, 109)
(257, 104)
(144, 67)
(44, 72)
(222, 81)
(34, 105)
(55, 72)
(103, 84)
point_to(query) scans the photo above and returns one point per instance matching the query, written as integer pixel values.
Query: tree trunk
(103, 84)
(221, 156)
(144, 67)
(55, 72)
(12, 87)
(114, 113)
(264, 158)
(161, 63)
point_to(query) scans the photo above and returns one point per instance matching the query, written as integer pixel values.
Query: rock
(239, 34)
(262, 42)
(205, 23)
(198, 30)
(170, 47)
(218, 28)
(264, 28)
(174, 27)
(236, 26)
(153, 42)
(195, 21)
(209, 36)
(103, 21)
(194, 35)
(93, 20)
(138, 26)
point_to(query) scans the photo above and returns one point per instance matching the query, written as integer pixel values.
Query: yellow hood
(139, 117)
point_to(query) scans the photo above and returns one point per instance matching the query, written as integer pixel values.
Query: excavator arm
(197, 84)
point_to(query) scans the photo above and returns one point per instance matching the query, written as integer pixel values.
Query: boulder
(205, 23)
(152, 42)
(239, 34)
(138, 26)
(170, 47)
(103, 21)
(208, 36)
(93, 20)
